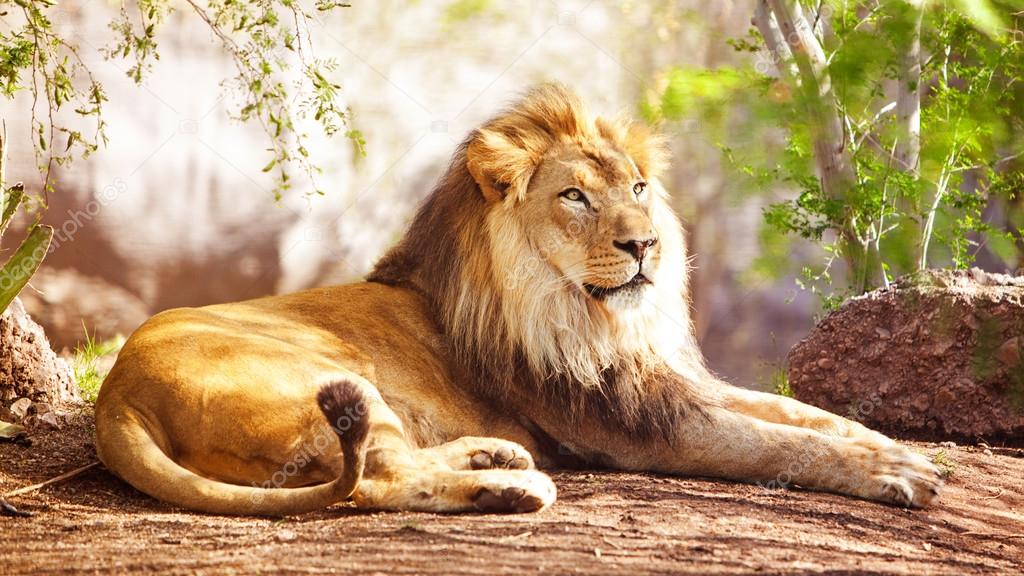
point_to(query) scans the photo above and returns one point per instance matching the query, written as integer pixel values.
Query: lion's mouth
(600, 293)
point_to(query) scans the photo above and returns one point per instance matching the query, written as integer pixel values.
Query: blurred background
(176, 210)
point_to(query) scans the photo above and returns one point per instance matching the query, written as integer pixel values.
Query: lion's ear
(499, 163)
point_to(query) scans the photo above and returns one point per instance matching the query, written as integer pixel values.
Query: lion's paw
(472, 453)
(902, 476)
(514, 491)
(509, 457)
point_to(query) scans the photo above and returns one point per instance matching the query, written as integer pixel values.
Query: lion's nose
(638, 248)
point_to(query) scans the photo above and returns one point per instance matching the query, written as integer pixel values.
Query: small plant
(88, 373)
(411, 526)
(780, 383)
(20, 267)
(946, 465)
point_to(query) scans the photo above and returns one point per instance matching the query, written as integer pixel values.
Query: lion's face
(584, 262)
(590, 215)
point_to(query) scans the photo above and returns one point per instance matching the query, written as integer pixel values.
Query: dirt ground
(603, 523)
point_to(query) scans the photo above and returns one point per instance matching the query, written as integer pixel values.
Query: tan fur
(515, 321)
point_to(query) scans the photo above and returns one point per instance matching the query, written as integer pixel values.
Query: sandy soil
(602, 523)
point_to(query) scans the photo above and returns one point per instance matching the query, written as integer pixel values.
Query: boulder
(29, 369)
(937, 355)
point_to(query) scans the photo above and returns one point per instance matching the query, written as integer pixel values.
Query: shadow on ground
(602, 523)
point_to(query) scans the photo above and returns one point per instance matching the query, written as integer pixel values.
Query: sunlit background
(176, 210)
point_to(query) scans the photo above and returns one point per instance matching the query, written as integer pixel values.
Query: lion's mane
(512, 324)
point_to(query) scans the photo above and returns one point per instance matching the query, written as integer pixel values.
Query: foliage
(26, 259)
(462, 10)
(86, 364)
(947, 467)
(961, 198)
(266, 39)
(780, 383)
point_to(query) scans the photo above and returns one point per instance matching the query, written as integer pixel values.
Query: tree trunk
(786, 29)
(908, 102)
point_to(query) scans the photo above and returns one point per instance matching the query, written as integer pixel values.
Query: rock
(7, 416)
(1009, 352)
(20, 408)
(50, 420)
(66, 301)
(286, 536)
(39, 408)
(29, 369)
(941, 350)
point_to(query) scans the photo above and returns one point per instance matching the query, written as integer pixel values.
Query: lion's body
(517, 317)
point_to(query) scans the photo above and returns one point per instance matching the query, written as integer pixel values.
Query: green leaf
(12, 198)
(24, 263)
(10, 431)
(983, 15)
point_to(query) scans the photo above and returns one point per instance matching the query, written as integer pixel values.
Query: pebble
(1009, 352)
(50, 420)
(20, 407)
(7, 416)
(286, 536)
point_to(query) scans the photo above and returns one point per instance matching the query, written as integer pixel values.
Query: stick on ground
(53, 480)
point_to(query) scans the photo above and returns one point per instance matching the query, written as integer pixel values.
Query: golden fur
(536, 308)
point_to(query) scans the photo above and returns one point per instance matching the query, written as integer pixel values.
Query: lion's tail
(128, 449)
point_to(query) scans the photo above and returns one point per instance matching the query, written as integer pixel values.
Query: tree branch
(835, 166)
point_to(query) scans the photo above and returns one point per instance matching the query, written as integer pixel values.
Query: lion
(534, 315)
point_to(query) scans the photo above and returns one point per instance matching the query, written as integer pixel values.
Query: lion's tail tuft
(344, 405)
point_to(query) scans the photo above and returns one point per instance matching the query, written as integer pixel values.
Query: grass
(85, 365)
(945, 463)
(779, 382)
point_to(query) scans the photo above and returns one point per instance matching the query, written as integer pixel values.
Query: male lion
(536, 309)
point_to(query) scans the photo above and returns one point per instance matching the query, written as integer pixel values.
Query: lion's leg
(727, 444)
(783, 410)
(398, 477)
(732, 445)
(475, 453)
(458, 491)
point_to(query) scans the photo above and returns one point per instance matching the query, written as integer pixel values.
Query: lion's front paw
(473, 453)
(510, 457)
(514, 491)
(902, 476)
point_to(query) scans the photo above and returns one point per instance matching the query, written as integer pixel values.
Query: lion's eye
(573, 195)
(639, 188)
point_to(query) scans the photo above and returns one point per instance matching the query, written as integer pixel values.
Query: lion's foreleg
(725, 443)
(783, 410)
